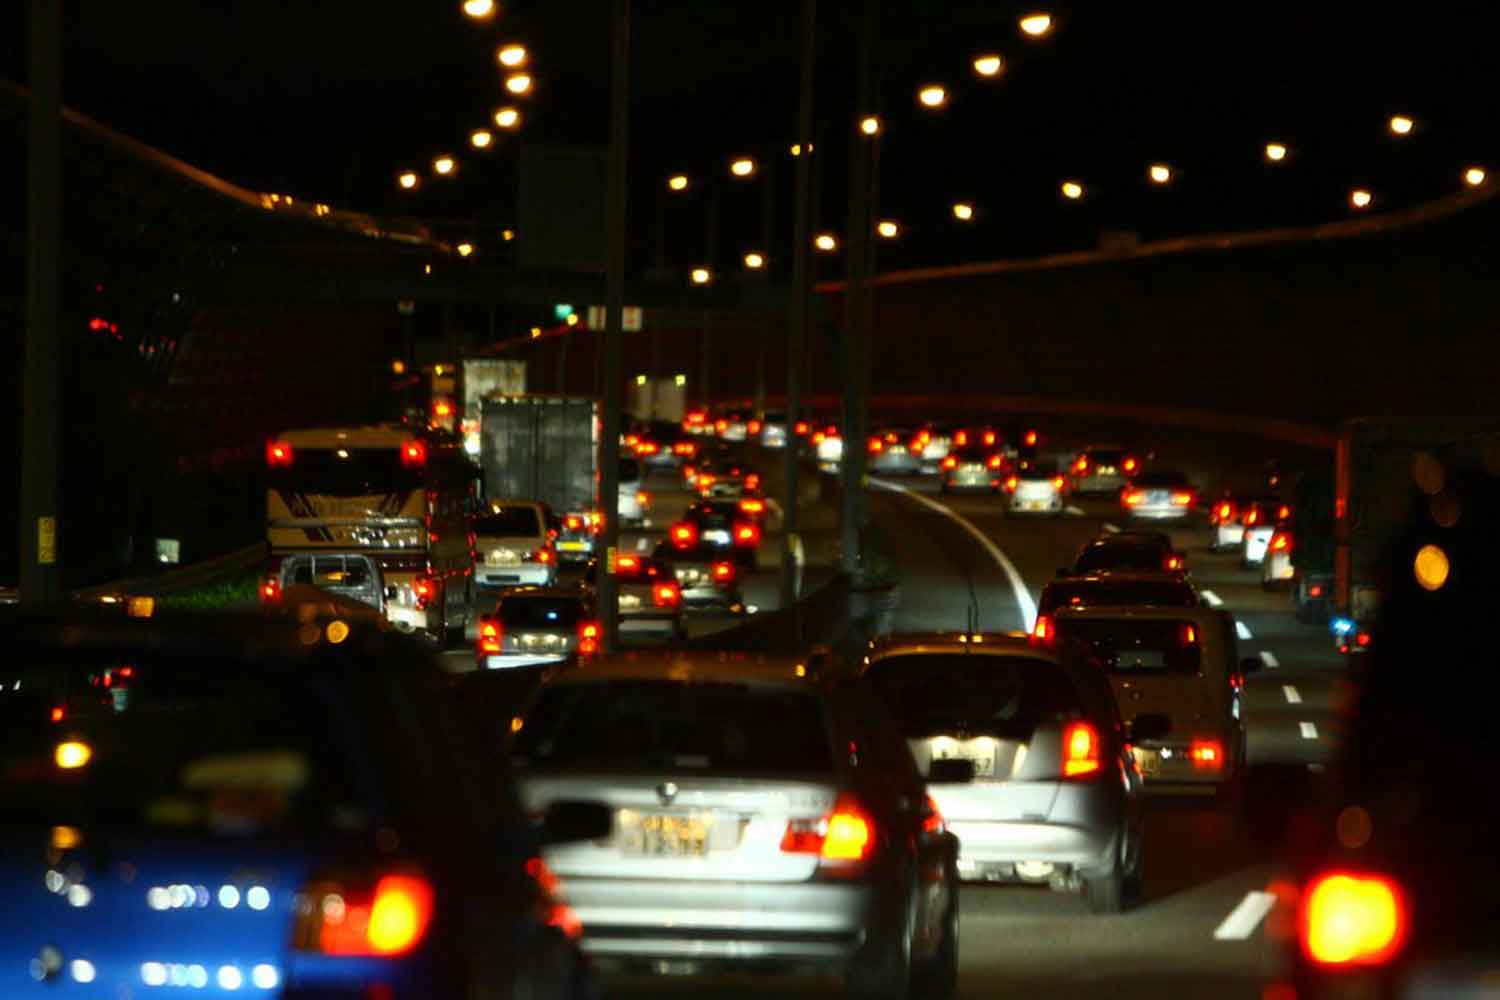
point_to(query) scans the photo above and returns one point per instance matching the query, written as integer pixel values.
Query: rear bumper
(1098, 484)
(648, 624)
(820, 923)
(984, 844)
(1036, 505)
(1158, 512)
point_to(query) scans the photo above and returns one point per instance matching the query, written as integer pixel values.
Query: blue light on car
(552, 616)
(1340, 626)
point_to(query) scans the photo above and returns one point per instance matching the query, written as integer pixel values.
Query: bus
(403, 496)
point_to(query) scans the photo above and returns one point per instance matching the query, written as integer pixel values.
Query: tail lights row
(589, 635)
(387, 917)
(845, 836)
(666, 595)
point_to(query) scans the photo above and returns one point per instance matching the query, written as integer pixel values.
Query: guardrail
(182, 578)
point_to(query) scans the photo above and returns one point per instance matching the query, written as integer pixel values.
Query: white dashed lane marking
(1214, 600)
(1293, 696)
(1113, 529)
(1269, 659)
(1072, 511)
(1246, 917)
(1309, 731)
(1243, 631)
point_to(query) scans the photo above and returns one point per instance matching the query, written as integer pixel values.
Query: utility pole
(801, 290)
(40, 572)
(614, 309)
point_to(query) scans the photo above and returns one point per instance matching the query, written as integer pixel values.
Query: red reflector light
(490, 635)
(279, 454)
(1173, 562)
(1189, 635)
(1362, 639)
(270, 590)
(723, 572)
(588, 638)
(666, 595)
(1350, 919)
(414, 454)
(684, 534)
(1316, 590)
(1134, 498)
(1080, 750)
(1206, 755)
(1043, 627)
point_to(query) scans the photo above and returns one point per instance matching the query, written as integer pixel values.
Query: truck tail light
(684, 535)
(1130, 465)
(1182, 499)
(270, 590)
(491, 635)
(1133, 498)
(414, 454)
(1043, 628)
(846, 835)
(1080, 750)
(389, 917)
(588, 638)
(1057, 482)
(1206, 755)
(723, 572)
(279, 454)
(1280, 542)
(666, 595)
(746, 535)
(951, 462)
(1346, 918)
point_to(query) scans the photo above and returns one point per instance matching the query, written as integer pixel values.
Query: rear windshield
(1106, 457)
(346, 472)
(1040, 469)
(1128, 646)
(972, 455)
(510, 522)
(711, 727)
(329, 571)
(1134, 556)
(630, 470)
(999, 696)
(715, 517)
(1161, 480)
(1109, 593)
(540, 612)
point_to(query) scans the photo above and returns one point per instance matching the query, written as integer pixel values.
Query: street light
(677, 182)
(572, 319)
(1036, 25)
(988, 65)
(742, 167)
(1360, 198)
(933, 95)
(407, 179)
(1072, 190)
(507, 118)
(443, 166)
(1474, 176)
(826, 243)
(465, 249)
(870, 125)
(507, 235)
(754, 261)
(963, 211)
(536, 332)
(1401, 125)
(481, 138)
(702, 276)
(1160, 173)
(479, 9)
(1275, 152)
(518, 84)
(888, 229)
(512, 55)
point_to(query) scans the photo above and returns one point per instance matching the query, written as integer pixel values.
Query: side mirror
(1251, 665)
(570, 822)
(1148, 726)
(950, 771)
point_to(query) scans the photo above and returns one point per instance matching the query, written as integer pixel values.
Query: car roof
(693, 666)
(1167, 476)
(366, 436)
(978, 643)
(547, 593)
(1145, 613)
(1129, 538)
(1111, 576)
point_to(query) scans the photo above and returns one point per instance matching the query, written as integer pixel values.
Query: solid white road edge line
(1293, 696)
(1214, 600)
(1309, 731)
(1242, 631)
(1072, 511)
(1269, 659)
(1245, 917)
(1023, 596)
(1113, 529)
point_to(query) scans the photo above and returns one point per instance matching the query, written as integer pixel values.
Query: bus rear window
(346, 472)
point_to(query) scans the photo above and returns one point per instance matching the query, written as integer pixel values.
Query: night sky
(329, 100)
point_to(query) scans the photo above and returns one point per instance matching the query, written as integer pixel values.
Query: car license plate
(503, 558)
(984, 764)
(665, 836)
(573, 546)
(629, 602)
(716, 537)
(1106, 470)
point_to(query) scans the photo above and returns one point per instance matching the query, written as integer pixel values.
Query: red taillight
(643, 499)
(1252, 516)
(490, 636)
(1189, 635)
(950, 462)
(1080, 750)
(1172, 562)
(802, 428)
(721, 426)
(1081, 466)
(819, 438)
(752, 482)
(753, 427)
(414, 454)
(441, 409)
(1030, 439)
(1057, 482)
(1133, 498)
(961, 439)
(989, 438)
(1206, 755)
(543, 556)
(994, 462)
(573, 523)
(279, 454)
(588, 638)
(1130, 465)
(1362, 639)
(683, 448)
(753, 505)
(876, 446)
(57, 713)
(1280, 542)
(666, 595)
(270, 590)
(1043, 627)
(1346, 918)
(1283, 512)
(723, 572)
(1011, 483)
(647, 448)
(847, 834)
(1316, 590)
(1225, 511)
(1182, 499)
(746, 535)
(424, 589)
(627, 566)
(390, 920)
(684, 534)
(595, 522)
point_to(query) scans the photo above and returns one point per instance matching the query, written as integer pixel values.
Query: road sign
(631, 317)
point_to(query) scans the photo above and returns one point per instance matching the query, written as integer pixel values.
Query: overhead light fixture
(754, 261)
(1474, 176)
(988, 65)
(507, 118)
(443, 166)
(826, 242)
(678, 182)
(407, 179)
(963, 211)
(1360, 198)
(1072, 190)
(479, 9)
(1401, 125)
(512, 56)
(1275, 152)
(1160, 173)
(870, 125)
(1036, 25)
(933, 95)
(743, 166)
(702, 276)
(888, 229)
(518, 84)
(481, 138)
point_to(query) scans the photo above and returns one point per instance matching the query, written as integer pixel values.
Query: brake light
(1283, 512)
(847, 834)
(1225, 511)
(627, 566)
(994, 462)
(1182, 499)
(596, 522)
(1173, 562)
(666, 595)
(1351, 919)
(1189, 635)
(573, 523)
(721, 426)
(989, 437)
(1043, 628)
(746, 535)
(270, 590)
(802, 428)
(390, 920)
(1082, 465)
(1080, 750)
(1057, 482)
(753, 427)
(543, 556)
(819, 438)
(752, 481)
(1362, 639)
(1133, 498)
(961, 438)
(424, 589)
(753, 505)
(1252, 516)
(1206, 755)
(1316, 590)
(1011, 483)
(723, 572)
(684, 534)
(57, 713)
(647, 448)
(588, 638)
(631, 440)
(683, 448)
(1280, 542)
(414, 454)
(1030, 439)
(279, 454)
(950, 462)
(876, 445)
(490, 636)
(441, 409)
(1130, 465)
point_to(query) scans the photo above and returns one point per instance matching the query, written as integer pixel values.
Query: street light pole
(801, 290)
(614, 308)
(40, 575)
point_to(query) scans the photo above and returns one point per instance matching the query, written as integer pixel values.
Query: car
(828, 447)
(1260, 520)
(971, 469)
(696, 422)
(1276, 569)
(773, 430)
(733, 427)
(709, 579)
(892, 453)
(353, 576)
(1025, 755)
(1182, 663)
(1162, 495)
(513, 546)
(768, 817)
(1036, 486)
(721, 527)
(650, 596)
(1115, 589)
(635, 502)
(266, 808)
(1102, 469)
(932, 443)
(1226, 520)
(1136, 551)
(666, 449)
(538, 627)
(577, 535)
(726, 481)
